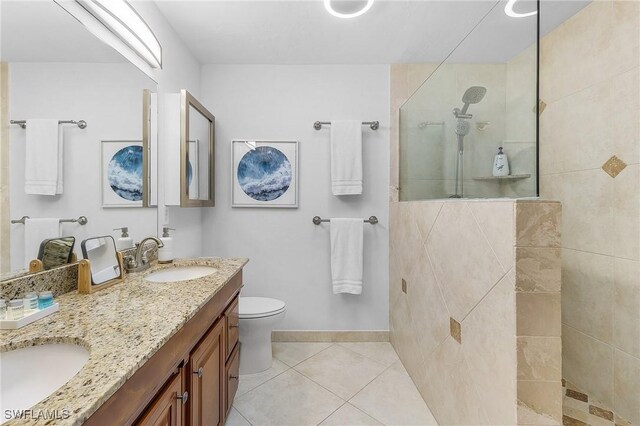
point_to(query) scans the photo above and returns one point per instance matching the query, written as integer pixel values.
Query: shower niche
(482, 97)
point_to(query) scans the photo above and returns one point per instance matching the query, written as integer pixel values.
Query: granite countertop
(122, 327)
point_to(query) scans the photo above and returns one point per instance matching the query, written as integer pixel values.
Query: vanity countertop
(122, 327)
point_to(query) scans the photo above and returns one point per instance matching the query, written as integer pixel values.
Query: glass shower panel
(481, 98)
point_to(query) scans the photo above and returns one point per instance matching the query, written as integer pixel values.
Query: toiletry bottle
(30, 302)
(45, 299)
(15, 311)
(125, 241)
(165, 254)
(501, 164)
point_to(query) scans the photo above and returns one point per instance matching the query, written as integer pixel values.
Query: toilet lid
(257, 307)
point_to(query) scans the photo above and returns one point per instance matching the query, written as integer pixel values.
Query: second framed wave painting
(265, 174)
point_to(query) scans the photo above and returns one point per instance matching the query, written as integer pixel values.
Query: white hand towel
(35, 231)
(43, 158)
(347, 243)
(346, 157)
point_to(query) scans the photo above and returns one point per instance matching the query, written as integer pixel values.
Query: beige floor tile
(381, 352)
(351, 416)
(340, 370)
(393, 399)
(251, 381)
(292, 353)
(236, 419)
(288, 400)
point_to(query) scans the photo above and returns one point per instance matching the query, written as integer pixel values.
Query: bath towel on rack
(347, 245)
(346, 157)
(43, 158)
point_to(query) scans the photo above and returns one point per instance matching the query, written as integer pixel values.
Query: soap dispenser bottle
(501, 164)
(165, 253)
(125, 241)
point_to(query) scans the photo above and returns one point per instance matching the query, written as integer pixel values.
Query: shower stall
(482, 97)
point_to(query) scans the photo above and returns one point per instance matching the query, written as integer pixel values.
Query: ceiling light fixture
(331, 10)
(117, 24)
(508, 9)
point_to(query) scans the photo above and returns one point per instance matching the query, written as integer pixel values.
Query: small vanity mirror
(197, 141)
(103, 258)
(56, 252)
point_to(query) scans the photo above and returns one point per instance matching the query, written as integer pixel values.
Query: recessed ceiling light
(331, 10)
(508, 9)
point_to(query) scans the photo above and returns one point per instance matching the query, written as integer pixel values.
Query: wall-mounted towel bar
(23, 123)
(373, 124)
(82, 220)
(317, 220)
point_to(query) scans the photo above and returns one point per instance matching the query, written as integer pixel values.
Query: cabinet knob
(199, 372)
(234, 326)
(232, 377)
(183, 398)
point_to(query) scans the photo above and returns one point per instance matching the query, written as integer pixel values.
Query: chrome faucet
(140, 262)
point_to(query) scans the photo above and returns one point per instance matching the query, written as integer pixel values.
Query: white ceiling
(41, 31)
(393, 31)
(294, 31)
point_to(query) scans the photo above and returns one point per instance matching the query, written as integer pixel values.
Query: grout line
(600, 254)
(486, 239)
(233, 407)
(487, 293)
(310, 356)
(368, 357)
(266, 381)
(612, 346)
(331, 414)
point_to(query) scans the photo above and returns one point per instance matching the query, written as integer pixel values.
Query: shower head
(472, 95)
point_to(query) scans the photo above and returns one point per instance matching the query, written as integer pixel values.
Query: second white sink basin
(182, 273)
(28, 375)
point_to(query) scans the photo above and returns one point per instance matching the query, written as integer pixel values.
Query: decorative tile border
(579, 410)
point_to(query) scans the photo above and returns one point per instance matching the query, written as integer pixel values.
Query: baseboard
(330, 336)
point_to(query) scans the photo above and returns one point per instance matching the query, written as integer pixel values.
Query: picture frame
(264, 173)
(122, 173)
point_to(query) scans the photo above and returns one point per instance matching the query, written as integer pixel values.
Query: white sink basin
(182, 273)
(31, 374)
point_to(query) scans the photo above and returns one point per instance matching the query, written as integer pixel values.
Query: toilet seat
(259, 307)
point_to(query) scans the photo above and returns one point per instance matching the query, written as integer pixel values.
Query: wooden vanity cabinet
(166, 409)
(192, 379)
(206, 366)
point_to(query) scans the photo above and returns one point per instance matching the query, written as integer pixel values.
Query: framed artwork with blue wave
(122, 165)
(265, 174)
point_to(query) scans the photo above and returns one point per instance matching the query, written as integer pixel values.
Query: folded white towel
(35, 231)
(43, 159)
(347, 236)
(346, 157)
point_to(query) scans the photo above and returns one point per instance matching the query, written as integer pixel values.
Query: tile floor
(330, 384)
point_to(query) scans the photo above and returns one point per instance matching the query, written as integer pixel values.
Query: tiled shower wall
(478, 325)
(590, 82)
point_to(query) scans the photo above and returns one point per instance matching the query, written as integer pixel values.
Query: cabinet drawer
(232, 320)
(233, 376)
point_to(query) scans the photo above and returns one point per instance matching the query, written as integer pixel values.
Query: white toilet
(258, 316)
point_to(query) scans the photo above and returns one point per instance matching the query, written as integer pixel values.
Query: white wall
(289, 256)
(180, 70)
(109, 98)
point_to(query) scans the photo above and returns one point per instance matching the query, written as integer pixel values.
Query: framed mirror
(56, 252)
(56, 70)
(197, 144)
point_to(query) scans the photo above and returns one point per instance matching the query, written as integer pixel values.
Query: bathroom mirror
(51, 67)
(101, 252)
(197, 143)
(56, 252)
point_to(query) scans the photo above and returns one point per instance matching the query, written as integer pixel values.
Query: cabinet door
(233, 374)
(166, 409)
(207, 368)
(232, 318)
